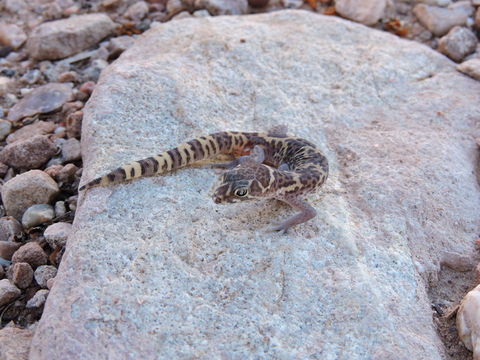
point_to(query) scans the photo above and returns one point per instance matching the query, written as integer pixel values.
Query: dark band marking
(144, 165)
(197, 149)
(214, 147)
(174, 156)
(132, 172)
(155, 164)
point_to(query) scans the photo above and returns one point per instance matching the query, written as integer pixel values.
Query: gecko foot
(281, 228)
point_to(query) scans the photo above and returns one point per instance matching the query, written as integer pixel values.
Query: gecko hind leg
(306, 213)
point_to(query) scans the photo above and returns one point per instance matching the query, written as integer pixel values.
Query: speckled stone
(27, 189)
(8, 292)
(31, 253)
(155, 267)
(44, 273)
(43, 99)
(471, 68)
(61, 38)
(28, 154)
(38, 300)
(37, 214)
(22, 275)
(5, 128)
(57, 234)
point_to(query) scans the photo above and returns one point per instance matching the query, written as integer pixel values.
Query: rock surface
(27, 189)
(15, 343)
(62, 38)
(43, 99)
(154, 269)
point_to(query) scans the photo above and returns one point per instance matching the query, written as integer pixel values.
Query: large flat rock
(156, 270)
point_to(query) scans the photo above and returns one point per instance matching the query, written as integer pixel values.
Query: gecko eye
(241, 191)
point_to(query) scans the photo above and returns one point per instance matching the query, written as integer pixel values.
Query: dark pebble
(5, 50)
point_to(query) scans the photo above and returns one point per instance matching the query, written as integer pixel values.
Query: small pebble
(50, 283)
(38, 300)
(57, 234)
(87, 87)
(28, 154)
(5, 128)
(8, 292)
(116, 46)
(60, 209)
(43, 273)
(68, 76)
(28, 131)
(201, 13)
(8, 248)
(12, 35)
(458, 43)
(72, 202)
(9, 228)
(37, 214)
(31, 253)
(26, 189)
(67, 174)
(53, 170)
(137, 11)
(43, 99)
(471, 68)
(71, 150)
(31, 77)
(22, 275)
(74, 124)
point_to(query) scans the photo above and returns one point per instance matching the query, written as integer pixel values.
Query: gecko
(268, 165)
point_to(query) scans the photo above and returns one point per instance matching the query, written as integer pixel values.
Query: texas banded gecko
(271, 165)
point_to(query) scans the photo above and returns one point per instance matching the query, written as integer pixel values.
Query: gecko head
(244, 182)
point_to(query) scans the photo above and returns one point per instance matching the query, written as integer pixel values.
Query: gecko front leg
(306, 213)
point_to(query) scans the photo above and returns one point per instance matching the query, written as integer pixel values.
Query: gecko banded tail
(204, 147)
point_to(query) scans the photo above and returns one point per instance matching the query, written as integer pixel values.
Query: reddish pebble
(68, 76)
(22, 275)
(54, 170)
(74, 124)
(31, 253)
(87, 87)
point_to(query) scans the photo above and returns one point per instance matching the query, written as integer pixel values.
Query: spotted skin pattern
(270, 165)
